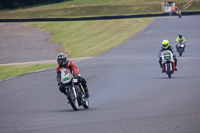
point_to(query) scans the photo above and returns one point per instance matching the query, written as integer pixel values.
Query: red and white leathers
(75, 71)
(71, 66)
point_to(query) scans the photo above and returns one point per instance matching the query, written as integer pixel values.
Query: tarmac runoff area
(24, 45)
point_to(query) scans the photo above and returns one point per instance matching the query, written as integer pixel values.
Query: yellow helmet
(165, 44)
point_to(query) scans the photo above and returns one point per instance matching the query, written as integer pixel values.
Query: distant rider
(178, 11)
(63, 62)
(179, 38)
(166, 46)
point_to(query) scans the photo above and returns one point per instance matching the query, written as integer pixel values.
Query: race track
(129, 94)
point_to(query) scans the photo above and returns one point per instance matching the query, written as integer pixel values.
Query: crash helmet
(180, 35)
(62, 59)
(165, 44)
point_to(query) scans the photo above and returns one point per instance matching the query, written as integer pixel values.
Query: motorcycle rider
(178, 12)
(166, 46)
(63, 62)
(180, 37)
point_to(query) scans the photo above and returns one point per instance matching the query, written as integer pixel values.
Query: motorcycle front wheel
(168, 70)
(180, 51)
(72, 99)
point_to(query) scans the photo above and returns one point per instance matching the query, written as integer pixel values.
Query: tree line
(14, 4)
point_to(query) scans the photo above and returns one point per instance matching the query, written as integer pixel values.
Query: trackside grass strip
(10, 71)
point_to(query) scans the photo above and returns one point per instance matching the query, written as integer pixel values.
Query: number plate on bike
(66, 79)
(167, 57)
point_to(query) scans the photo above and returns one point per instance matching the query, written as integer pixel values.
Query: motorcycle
(179, 15)
(180, 47)
(168, 63)
(74, 90)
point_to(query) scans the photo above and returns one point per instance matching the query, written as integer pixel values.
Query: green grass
(90, 8)
(10, 71)
(90, 38)
(195, 6)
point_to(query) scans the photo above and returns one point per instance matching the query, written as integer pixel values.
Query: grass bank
(10, 71)
(90, 38)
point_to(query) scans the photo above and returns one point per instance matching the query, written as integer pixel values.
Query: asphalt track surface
(128, 91)
(20, 43)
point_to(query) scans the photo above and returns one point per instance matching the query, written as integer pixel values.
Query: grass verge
(90, 38)
(10, 71)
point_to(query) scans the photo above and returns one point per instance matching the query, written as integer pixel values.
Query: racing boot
(87, 92)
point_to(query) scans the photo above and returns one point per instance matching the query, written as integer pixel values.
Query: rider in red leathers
(63, 62)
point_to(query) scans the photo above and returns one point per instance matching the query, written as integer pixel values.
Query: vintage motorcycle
(168, 63)
(75, 92)
(180, 47)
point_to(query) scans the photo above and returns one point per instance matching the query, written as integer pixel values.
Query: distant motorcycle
(74, 90)
(179, 15)
(168, 63)
(180, 47)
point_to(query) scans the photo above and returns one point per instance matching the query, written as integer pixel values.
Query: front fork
(74, 90)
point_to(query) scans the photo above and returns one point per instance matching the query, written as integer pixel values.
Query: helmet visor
(165, 45)
(61, 60)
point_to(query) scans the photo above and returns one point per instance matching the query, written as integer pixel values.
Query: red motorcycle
(168, 63)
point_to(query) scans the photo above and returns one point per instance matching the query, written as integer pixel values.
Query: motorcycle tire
(83, 101)
(180, 51)
(72, 100)
(168, 70)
